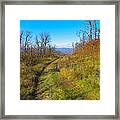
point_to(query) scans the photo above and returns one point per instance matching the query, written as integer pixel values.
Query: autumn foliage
(78, 76)
(46, 74)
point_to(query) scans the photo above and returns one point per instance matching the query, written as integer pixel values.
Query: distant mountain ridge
(65, 50)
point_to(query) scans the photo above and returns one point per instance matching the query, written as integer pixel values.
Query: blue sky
(62, 32)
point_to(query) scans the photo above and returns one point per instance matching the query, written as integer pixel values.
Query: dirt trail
(36, 79)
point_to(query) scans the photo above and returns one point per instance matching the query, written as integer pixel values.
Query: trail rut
(36, 80)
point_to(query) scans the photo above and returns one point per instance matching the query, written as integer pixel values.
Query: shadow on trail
(36, 80)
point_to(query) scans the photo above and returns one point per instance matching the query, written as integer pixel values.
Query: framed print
(59, 59)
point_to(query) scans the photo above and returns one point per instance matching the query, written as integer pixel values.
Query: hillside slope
(74, 76)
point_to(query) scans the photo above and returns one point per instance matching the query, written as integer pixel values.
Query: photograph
(59, 59)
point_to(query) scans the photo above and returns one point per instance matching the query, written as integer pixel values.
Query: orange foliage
(91, 48)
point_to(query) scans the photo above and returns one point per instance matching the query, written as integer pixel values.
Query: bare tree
(44, 40)
(21, 37)
(90, 30)
(95, 31)
(28, 37)
(83, 37)
(81, 34)
(98, 34)
(38, 45)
